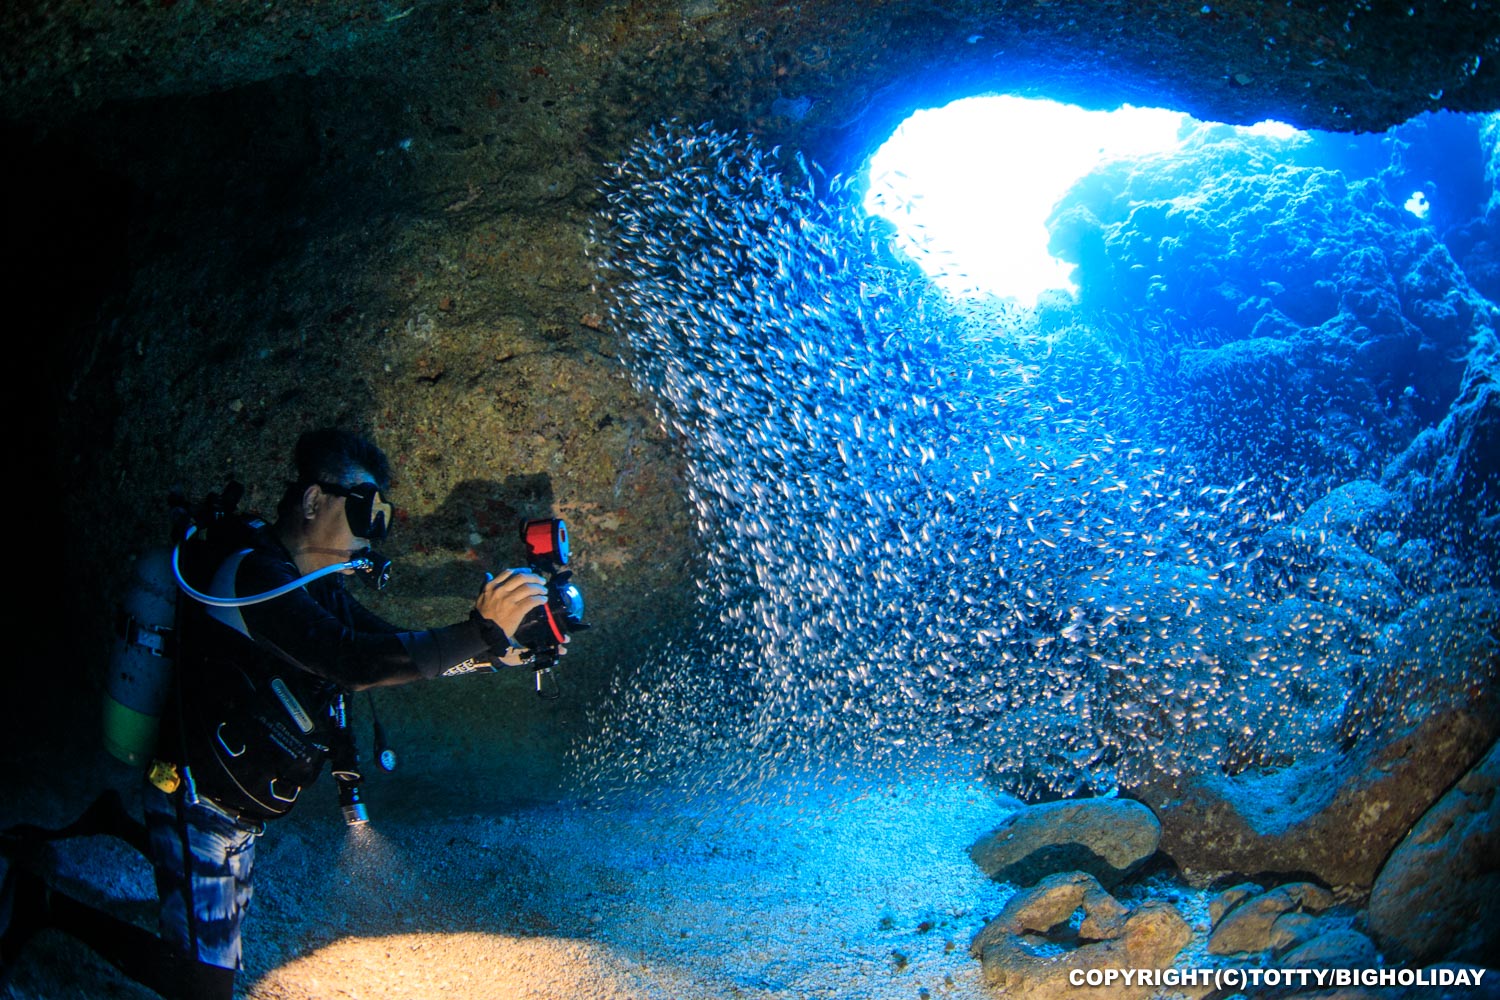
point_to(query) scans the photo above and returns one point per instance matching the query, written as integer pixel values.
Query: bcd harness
(253, 736)
(263, 733)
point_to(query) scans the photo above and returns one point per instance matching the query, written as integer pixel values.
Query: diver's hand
(508, 598)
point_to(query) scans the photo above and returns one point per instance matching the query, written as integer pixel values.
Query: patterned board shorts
(217, 884)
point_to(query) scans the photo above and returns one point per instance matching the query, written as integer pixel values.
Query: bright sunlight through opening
(969, 186)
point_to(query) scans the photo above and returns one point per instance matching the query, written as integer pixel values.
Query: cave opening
(972, 186)
(1040, 218)
(969, 185)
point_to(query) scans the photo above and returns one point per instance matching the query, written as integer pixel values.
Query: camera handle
(547, 692)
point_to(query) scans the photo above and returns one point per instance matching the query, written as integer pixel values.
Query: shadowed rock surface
(1438, 894)
(1107, 838)
(1361, 67)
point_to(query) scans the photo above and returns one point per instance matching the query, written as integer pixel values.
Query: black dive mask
(369, 514)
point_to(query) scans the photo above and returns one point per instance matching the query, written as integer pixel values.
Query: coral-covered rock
(1355, 509)
(1441, 654)
(1454, 467)
(1240, 360)
(1438, 895)
(1108, 838)
(1337, 949)
(1029, 950)
(1227, 899)
(1335, 817)
(1248, 927)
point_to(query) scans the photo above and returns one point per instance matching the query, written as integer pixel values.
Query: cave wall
(241, 222)
(1357, 65)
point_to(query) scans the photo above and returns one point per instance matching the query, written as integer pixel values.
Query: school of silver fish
(923, 530)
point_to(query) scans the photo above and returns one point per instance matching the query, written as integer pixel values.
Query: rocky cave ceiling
(824, 73)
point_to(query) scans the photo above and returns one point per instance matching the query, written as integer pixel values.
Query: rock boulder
(1335, 818)
(1249, 926)
(1108, 838)
(1438, 895)
(1032, 947)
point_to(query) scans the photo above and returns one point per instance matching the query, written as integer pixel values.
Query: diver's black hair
(333, 455)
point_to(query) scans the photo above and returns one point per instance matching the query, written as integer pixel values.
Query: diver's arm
(310, 626)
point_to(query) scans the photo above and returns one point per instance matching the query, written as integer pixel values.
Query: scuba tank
(141, 662)
(140, 665)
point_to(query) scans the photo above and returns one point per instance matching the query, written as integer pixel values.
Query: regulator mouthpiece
(375, 567)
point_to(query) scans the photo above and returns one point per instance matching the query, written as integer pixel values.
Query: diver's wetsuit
(333, 640)
(257, 685)
(257, 690)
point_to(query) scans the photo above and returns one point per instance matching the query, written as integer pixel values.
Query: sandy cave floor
(855, 891)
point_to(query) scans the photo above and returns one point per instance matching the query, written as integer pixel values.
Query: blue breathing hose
(240, 602)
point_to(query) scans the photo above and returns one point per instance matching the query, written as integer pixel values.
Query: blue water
(1167, 528)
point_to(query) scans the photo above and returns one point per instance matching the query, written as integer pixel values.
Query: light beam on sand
(472, 965)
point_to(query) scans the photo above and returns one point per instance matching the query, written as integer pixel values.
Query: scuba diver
(256, 709)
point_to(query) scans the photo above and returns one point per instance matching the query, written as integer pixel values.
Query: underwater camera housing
(543, 629)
